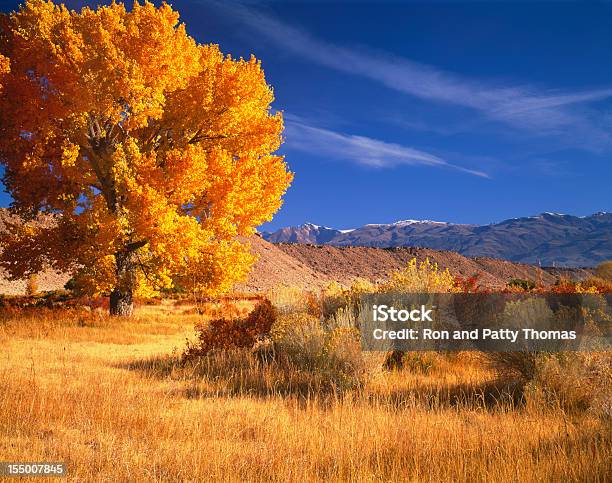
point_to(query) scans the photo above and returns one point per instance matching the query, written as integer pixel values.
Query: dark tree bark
(121, 303)
(121, 298)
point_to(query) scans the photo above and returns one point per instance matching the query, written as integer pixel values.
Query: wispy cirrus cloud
(362, 150)
(523, 107)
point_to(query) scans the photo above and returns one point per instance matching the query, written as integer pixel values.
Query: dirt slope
(346, 263)
(275, 267)
(315, 266)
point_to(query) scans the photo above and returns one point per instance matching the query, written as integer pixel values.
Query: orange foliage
(140, 141)
(590, 285)
(598, 285)
(4, 68)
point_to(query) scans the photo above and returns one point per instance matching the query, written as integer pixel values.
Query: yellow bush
(288, 298)
(336, 297)
(424, 277)
(332, 352)
(363, 285)
(586, 288)
(334, 289)
(290, 323)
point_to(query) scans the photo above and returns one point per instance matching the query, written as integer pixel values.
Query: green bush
(522, 284)
(575, 382)
(333, 352)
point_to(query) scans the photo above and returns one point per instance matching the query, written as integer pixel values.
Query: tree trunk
(121, 303)
(121, 298)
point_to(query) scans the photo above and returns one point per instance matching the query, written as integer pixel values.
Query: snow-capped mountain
(548, 238)
(306, 233)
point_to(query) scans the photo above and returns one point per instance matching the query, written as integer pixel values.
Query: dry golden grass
(110, 398)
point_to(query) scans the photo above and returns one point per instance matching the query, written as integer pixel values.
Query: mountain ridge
(550, 239)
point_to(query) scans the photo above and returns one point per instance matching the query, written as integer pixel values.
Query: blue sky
(463, 112)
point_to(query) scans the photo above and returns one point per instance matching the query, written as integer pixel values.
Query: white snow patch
(417, 222)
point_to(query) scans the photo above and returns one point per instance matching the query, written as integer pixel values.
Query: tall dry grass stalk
(110, 398)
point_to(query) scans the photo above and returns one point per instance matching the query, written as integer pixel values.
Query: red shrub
(236, 332)
(468, 284)
(563, 285)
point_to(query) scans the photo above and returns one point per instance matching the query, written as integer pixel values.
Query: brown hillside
(312, 266)
(275, 267)
(346, 263)
(315, 266)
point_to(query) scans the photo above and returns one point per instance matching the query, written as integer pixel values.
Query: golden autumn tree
(147, 153)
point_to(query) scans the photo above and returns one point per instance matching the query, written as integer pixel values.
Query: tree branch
(133, 246)
(197, 138)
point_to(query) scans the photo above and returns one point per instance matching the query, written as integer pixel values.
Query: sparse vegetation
(604, 271)
(280, 389)
(522, 284)
(577, 383)
(104, 394)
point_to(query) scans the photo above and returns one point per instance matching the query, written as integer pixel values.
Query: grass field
(109, 398)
